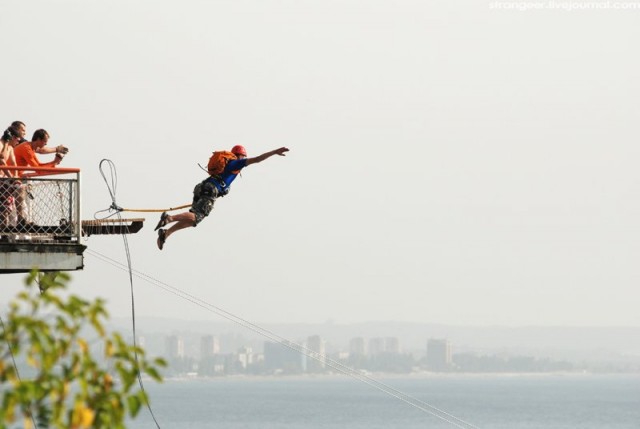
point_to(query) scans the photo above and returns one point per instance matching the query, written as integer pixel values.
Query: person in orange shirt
(25, 153)
(20, 129)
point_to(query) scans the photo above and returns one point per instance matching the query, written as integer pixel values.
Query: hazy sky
(451, 162)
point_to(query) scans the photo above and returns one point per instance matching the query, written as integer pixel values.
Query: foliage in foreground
(71, 373)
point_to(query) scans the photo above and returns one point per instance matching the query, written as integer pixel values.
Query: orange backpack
(218, 162)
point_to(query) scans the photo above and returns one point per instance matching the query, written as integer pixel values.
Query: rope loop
(117, 209)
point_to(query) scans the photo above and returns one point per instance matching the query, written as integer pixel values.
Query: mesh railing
(40, 208)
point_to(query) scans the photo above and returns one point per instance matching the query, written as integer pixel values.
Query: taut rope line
(120, 209)
(115, 209)
(391, 391)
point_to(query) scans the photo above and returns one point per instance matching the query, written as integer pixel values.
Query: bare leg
(5, 205)
(19, 196)
(4, 213)
(183, 220)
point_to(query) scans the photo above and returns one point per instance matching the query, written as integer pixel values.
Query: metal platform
(40, 224)
(50, 248)
(111, 226)
(23, 256)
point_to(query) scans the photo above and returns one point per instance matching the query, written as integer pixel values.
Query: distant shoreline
(387, 376)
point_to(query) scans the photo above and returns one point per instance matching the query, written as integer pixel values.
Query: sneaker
(164, 219)
(162, 237)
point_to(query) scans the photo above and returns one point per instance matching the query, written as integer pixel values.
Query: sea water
(486, 402)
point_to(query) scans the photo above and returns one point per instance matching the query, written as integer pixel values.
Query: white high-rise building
(439, 354)
(245, 356)
(209, 346)
(174, 347)
(316, 345)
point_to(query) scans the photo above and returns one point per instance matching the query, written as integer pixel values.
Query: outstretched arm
(58, 149)
(281, 151)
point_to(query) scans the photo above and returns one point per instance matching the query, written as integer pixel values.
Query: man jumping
(206, 192)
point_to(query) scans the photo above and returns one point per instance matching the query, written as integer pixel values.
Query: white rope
(129, 268)
(15, 367)
(408, 399)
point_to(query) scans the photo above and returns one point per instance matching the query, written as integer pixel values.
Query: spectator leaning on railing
(20, 129)
(26, 152)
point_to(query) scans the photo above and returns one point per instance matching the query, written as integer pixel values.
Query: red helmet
(239, 150)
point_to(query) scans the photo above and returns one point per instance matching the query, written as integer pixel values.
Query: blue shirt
(228, 175)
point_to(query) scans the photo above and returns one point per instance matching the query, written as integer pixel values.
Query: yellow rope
(157, 210)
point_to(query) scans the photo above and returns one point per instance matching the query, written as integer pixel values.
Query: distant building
(388, 345)
(140, 341)
(439, 354)
(376, 346)
(212, 365)
(392, 345)
(245, 356)
(209, 346)
(280, 358)
(342, 355)
(356, 347)
(174, 347)
(316, 362)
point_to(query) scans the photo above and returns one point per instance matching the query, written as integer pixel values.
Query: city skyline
(618, 346)
(309, 356)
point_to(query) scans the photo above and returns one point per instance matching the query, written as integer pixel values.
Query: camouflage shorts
(204, 196)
